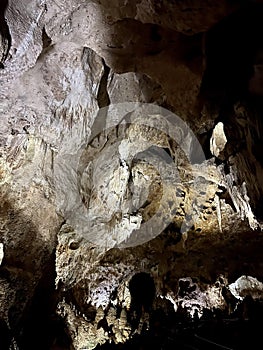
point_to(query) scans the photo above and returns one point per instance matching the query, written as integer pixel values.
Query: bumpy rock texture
(130, 168)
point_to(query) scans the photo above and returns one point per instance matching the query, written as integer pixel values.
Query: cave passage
(142, 289)
(234, 57)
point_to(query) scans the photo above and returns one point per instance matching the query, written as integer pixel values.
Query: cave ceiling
(131, 168)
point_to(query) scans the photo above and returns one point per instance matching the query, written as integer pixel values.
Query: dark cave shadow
(4, 30)
(32, 320)
(142, 290)
(234, 75)
(240, 329)
(232, 47)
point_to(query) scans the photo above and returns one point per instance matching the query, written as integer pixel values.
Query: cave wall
(87, 89)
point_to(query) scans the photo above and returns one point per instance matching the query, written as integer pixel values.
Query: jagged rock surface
(75, 185)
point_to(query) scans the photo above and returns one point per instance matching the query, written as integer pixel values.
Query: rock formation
(131, 177)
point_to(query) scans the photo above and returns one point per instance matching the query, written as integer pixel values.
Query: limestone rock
(218, 139)
(127, 148)
(1, 253)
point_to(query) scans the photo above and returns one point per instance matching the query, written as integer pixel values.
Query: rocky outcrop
(130, 168)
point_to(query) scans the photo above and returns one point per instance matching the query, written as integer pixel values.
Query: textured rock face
(130, 167)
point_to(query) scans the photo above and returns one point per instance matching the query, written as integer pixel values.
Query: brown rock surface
(130, 168)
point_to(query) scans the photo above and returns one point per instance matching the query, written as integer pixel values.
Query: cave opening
(142, 289)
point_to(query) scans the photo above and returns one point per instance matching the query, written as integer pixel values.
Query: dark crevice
(204, 140)
(5, 335)
(103, 96)
(46, 44)
(42, 328)
(46, 40)
(5, 37)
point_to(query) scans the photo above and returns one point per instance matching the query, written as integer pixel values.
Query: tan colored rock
(114, 194)
(218, 139)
